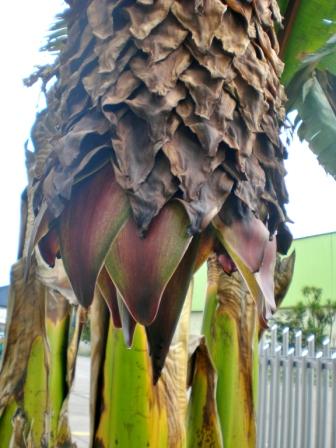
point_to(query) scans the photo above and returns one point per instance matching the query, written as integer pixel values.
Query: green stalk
(203, 429)
(6, 423)
(23, 371)
(132, 415)
(35, 392)
(127, 410)
(33, 379)
(229, 327)
(57, 327)
(99, 327)
(63, 428)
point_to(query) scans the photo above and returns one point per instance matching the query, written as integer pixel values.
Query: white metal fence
(297, 394)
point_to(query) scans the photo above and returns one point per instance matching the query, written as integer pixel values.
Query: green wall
(315, 266)
(200, 284)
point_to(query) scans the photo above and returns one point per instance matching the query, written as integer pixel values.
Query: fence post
(333, 417)
(274, 389)
(287, 392)
(282, 377)
(323, 394)
(263, 394)
(299, 359)
(319, 426)
(308, 372)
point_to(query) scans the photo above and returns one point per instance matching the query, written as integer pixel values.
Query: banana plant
(159, 146)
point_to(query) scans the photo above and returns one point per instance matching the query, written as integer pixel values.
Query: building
(4, 291)
(315, 265)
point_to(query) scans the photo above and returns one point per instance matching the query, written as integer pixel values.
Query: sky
(23, 28)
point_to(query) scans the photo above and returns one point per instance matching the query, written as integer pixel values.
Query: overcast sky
(23, 27)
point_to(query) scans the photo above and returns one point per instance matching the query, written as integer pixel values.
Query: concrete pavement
(79, 403)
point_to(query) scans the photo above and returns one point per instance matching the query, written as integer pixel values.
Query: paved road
(79, 403)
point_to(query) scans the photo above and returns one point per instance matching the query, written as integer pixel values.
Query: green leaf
(314, 24)
(318, 116)
(283, 5)
(324, 57)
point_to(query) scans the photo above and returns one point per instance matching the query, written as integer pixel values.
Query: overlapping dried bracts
(182, 99)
